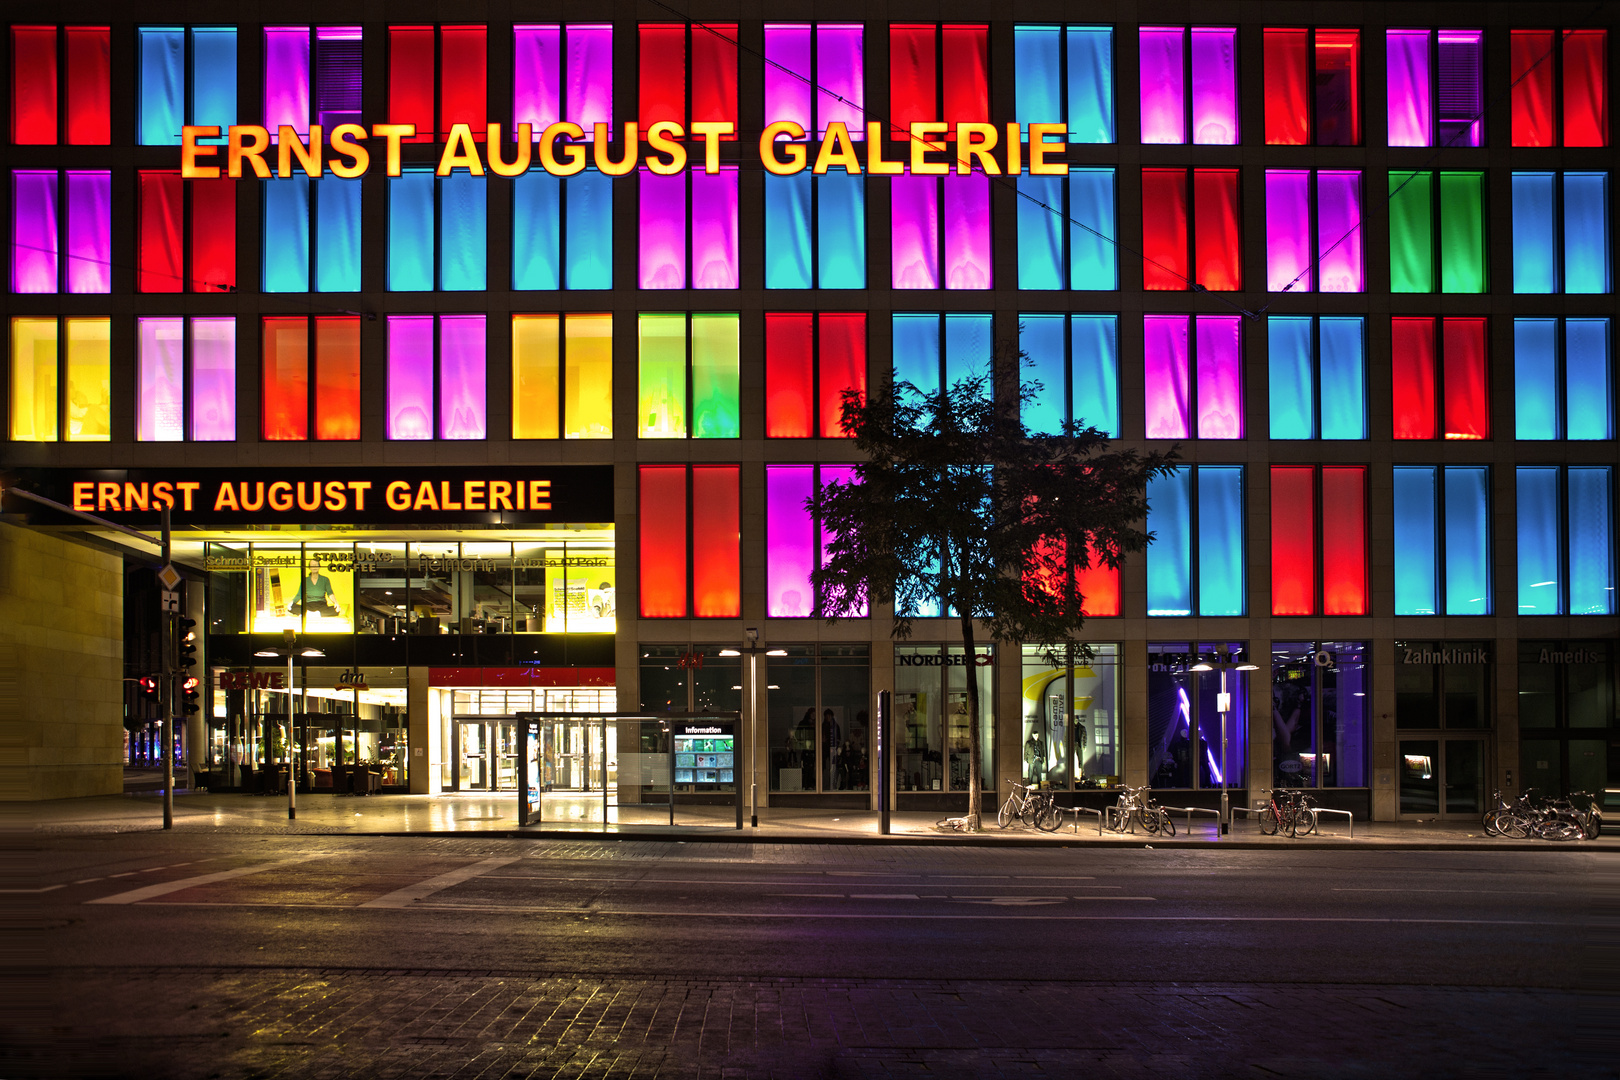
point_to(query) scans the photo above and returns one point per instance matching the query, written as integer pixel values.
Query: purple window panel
(1214, 85)
(286, 78)
(787, 73)
(1164, 352)
(789, 542)
(160, 398)
(839, 474)
(461, 377)
(1288, 230)
(1163, 87)
(213, 379)
(536, 77)
(410, 376)
(89, 232)
(840, 78)
(1220, 377)
(588, 93)
(662, 237)
(968, 261)
(1338, 231)
(1411, 116)
(33, 231)
(714, 228)
(915, 231)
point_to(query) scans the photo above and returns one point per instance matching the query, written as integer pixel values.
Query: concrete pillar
(422, 726)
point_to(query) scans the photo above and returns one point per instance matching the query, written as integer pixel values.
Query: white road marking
(1465, 892)
(411, 893)
(42, 888)
(163, 888)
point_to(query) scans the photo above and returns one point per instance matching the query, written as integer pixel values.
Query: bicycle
(1135, 807)
(1295, 813)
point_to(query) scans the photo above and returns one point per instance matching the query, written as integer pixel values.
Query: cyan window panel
(1588, 379)
(537, 230)
(213, 78)
(1222, 588)
(840, 230)
(1094, 358)
(1416, 540)
(1040, 232)
(162, 95)
(589, 231)
(1091, 83)
(1038, 75)
(1535, 380)
(1586, 232)
(1535, 256)
(916, 352)
(1539, 590)
(1341, 343)
(463, 239)
(1292, 377)
(1042, 339)
(968, 348)
(1468, 540)
(410, 231)
(1169, 557)
(787, 231)
(1093, 258)
(337, 234)
(286, 234)
(1591, 540)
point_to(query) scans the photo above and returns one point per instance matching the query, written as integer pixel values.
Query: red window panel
(1044, 573)
(463, 77)
(1098, 586)
(913, 77)
(160, 259)
(789, 376)
(662, 518)
(213, 235)
(1288, 87)
(842, 362)
(1468, 399)
(663, 74)
(1412, 376)
(1164, 229)
(1293, 540)
(284, 386)
(337, 377)
(410, 79)
(1338, 87)
(966, 60)
(89, 86)
(1586, 88)
(1531, 66)
(716, 543)
(1344, 539)
(33, 85)
(1217, 230)
(714, 73)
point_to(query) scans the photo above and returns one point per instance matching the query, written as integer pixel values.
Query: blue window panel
(590, 231)
(929, 607)
(1038, 67)
(1041, 339)
(1093, 259)
(1539, 591)
(1468, 540)
(410, 232)
(1535, 378)
(162, 103)
(537, 230)
(916, 352)
(1586, 232)
(213, 78)
(463, 235)
(1416, 586)
(286, 234)
(1094, 356)
(1293, 377)
(1040, 232)
(841, 230)
(1342, 344)
(1591, 540)
(1091, 84)
(787, 231)
(1222, 585)
(968, 347)
(1535, 262)
(1588, 379)
(337, 234)
(1169, 557)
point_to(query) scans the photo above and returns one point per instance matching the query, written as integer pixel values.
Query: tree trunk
(974, 749)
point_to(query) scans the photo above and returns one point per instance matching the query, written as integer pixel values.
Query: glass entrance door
(1443, 778)
(472, 757)
(573, 751)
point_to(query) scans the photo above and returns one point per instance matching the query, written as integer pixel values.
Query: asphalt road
(256, 955)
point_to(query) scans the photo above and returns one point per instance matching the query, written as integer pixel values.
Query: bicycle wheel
(1167, 824)
(1111, 819)
(1558, 829)
(1302, 821)
(1031, 807)
(1269, 821)
(1050, 817)
(1149, 821)
(1592, 825)
(1512, 825)
(1488, 823)
(1004, 816)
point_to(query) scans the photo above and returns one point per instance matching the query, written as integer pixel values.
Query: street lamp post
(1231, 660)
(753, 650)
(289, 648)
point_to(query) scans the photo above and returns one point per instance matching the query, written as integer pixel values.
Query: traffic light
(186, 630)
(188, 695)
(149, 686)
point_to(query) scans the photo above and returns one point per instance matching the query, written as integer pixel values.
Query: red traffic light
(191, 684)
(149, 685)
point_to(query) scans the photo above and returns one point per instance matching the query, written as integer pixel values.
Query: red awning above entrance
(520, 676)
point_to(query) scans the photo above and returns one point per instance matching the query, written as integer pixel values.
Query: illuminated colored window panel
(1408, 79)
(714, 73)
(1462, 232)
(213, 379)
(1591, 540)
(1467, 389)
(1320, 374)
(661, 515)
(1289, 264)
(914, 213)
(1586, 87)
(1342, 344)
(788, 216)
(1531, 71)
(89, 231)
(463, 75)
(841, 230)
(462, 231)
(1288, 78)
(160, 56)
(160, 379)
(1293, 548)
(714, 228)
(1222, 579)
(1040, 232)
(213, 235)
(1414, 368)
(410, 231)
(213, 79)
(1165, 263)
(582, 382)
(536, 76)
(461, 377)
(1411, 243)
(1098, 586)
(286, 79)
(411, 79)
(827, 476)
(34, 380)
(1586, 233)
(1338, 231)
(716, 542)
(1220, 377)
(968, 348)
(661, 238)
(562, 73)
(1344, 539)
(841, 77)
(34, 243)
(1091, 83)
(1166, 353)
(716, 359)
(1540, 513)
(1416, 540)
(1093, 258)
(1043, 341)
(410, 377)
(337, 234)
(1213, 60)
(588, 233)
(1218, 230)
(1338, 87)
(286, 234)
(1468, 540)
(1189, 84)
(337, 377)
(1292, 382)
(35, 88)
(663, 73)
(1588, 379)
(89, 379)
(1566, 540)
(1077, 352)
(913, 76)
(160, 260)
(1562, 393)
(33, 85)
(1163, 82)
(284, 387)
(1169, 557)
(536, 355)
(1535, 254)
(790, 375)
(588, 377)
(917, 353)
(830, 89)
(1460, 83)
(789, 74)
(338, 76)
(790, 541)
(965, 71)
(662, 377)
(1536, 391)
(968, 259)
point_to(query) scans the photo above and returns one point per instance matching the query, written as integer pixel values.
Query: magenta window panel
(213, 379)
(89, 231)
(410, 376)
(839, 474)
(286, 78)
(1214, 85)
(968, 261)
(662, 238)
(714, 228)
(33, 231)
(1164, 352)
(840, 78)
(1163, 87)
(1220, 377)
(1411, 115)
(1338, 231)
(461, 377)
(589, 88)
(536, 77)
(160, 365)
(914, 202)
(787, 74)
(790, 542)
(1288, 230)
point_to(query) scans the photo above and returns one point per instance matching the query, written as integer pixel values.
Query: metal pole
(292, 726)
(167, 637)
(885, 698)
(1226, 812)
(753, 738)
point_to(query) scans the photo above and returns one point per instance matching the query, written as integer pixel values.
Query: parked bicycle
(1035, 806)
(1557, 818)
(1288, 810)
(1136, 807)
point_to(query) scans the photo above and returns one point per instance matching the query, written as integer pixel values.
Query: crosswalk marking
(163, 888)
(411, 893)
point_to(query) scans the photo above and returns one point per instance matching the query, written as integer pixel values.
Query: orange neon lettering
(225, 498)
(84, 495)
(188, 488)
(525, 146)
(444, 501)
(337, 496)
(314, 502)
(360, 487)
(539, 494)
(137, 496)
(258, 496)
(425, 498)
(500, 495)
(107, 496)
(163, 495)
(190, 152)
(472, 494)
(391, 134)
(397, 495)
(280, 495)
(238, 146)
(289, 146)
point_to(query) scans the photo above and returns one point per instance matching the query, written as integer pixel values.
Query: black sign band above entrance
(471, 495)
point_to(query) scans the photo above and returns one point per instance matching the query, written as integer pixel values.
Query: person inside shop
(316, 595)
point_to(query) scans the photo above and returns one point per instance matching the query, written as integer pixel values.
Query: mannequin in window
(315, 594)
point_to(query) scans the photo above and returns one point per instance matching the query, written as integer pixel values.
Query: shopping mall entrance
(576, 750)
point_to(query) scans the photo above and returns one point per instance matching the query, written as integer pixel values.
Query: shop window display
(819, 719)
(931, 708)
(1071, 730)
(1184, 721)
(1319, 712)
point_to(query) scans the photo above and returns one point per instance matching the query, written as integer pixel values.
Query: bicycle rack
(1319, 810)
(1189, 811)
